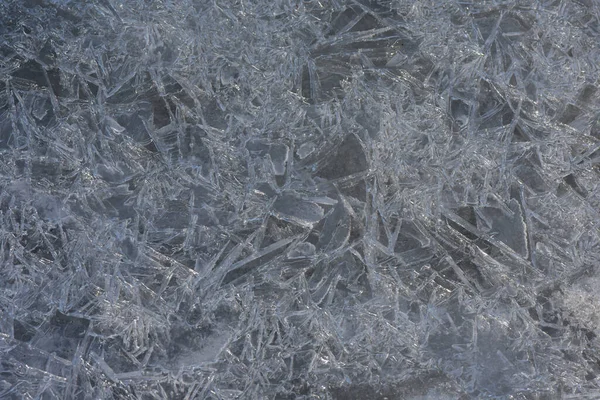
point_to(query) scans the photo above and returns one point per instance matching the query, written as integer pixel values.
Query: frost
(336, 199)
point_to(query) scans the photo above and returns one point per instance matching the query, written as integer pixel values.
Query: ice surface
(299, 199)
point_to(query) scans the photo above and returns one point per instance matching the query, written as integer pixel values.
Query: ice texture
(299, 199)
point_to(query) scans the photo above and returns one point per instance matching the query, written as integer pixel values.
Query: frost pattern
(293, 199)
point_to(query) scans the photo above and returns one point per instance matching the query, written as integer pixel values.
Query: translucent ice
(299, 199)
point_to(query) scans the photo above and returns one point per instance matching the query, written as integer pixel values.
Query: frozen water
(299, 199)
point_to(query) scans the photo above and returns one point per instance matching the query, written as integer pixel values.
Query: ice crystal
(299, 199)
